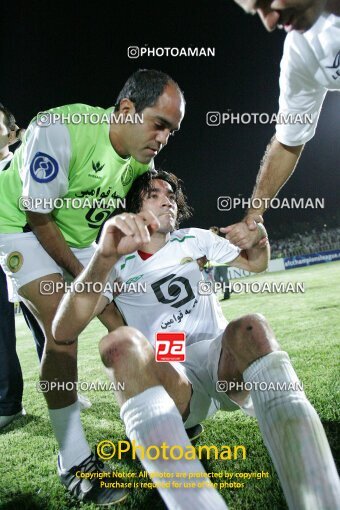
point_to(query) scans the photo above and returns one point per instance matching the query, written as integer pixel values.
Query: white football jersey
(169, 296)
(310, 66)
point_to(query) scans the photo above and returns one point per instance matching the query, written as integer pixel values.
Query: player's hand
(126, 233)
(252, 220)
(240, 235)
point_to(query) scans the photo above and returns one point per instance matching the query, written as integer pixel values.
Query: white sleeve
(301, 96)
(46, 159)
(216, 248)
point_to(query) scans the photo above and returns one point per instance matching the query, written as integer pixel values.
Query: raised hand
(126, 233)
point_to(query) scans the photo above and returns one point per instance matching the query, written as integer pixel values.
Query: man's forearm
(277, 166)
(78, 308)
(258, 258)
(52, 240)
(111, 318)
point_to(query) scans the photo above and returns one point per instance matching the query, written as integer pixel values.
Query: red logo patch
(170, 346)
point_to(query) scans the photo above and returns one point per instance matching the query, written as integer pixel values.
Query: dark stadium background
(57, 53)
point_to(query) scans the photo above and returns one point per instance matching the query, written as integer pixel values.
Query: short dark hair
(144, 87)
(9, 118)
(143, 185)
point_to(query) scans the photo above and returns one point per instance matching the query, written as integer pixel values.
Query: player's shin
(151, 418)
(293, 434)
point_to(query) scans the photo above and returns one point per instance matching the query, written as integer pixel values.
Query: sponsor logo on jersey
(127, 176)
(15, 261)
(43, 167)
(170, 347)
(97, 167)
(173, 290)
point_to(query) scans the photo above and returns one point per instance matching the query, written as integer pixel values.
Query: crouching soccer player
(160, 399)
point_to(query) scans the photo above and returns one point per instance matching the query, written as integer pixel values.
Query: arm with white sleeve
(301, 98)
(122, 234)
(44, 174)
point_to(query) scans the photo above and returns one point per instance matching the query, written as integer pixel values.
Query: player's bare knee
(250, 337)
(121, 345)
(61, 341)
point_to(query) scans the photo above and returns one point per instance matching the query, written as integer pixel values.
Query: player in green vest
(76, 164)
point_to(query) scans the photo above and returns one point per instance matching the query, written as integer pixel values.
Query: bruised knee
(121, 345)
(249, 338)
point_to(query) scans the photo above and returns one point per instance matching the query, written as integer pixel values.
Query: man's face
(297, 15)
(3, 131)
(161, 200)
(143, 141)
(7, 137)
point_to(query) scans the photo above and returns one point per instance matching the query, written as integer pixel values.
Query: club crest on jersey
(15, 261)
(127, 176)
(43, 167)
(186, 260)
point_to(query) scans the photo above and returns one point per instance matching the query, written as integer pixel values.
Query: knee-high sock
(151, 418)
(294, 436)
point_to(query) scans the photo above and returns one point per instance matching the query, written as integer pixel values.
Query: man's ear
(126, 106)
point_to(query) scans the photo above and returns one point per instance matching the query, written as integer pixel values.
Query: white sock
(152, 418)
(69, 433)
(294, 436)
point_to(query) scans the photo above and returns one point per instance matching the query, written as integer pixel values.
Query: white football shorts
(24, 260)
(201, 370)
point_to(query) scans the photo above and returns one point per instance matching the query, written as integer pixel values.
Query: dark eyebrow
(169, 191)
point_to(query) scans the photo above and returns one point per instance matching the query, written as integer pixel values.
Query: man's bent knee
(248, 338)
(122, 344)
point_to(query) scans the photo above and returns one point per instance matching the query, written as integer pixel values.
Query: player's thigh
(24, 260)
(43, 306)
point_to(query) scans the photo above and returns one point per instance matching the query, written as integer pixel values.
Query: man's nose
(163, 136)
(166, 201)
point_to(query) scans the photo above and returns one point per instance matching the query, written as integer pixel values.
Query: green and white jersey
(74, 162)
(171, 294)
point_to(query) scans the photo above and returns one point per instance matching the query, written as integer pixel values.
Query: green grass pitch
(306, 325)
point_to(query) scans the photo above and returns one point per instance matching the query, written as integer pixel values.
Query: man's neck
(157, 241)
(4, 153)
(116, 140)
